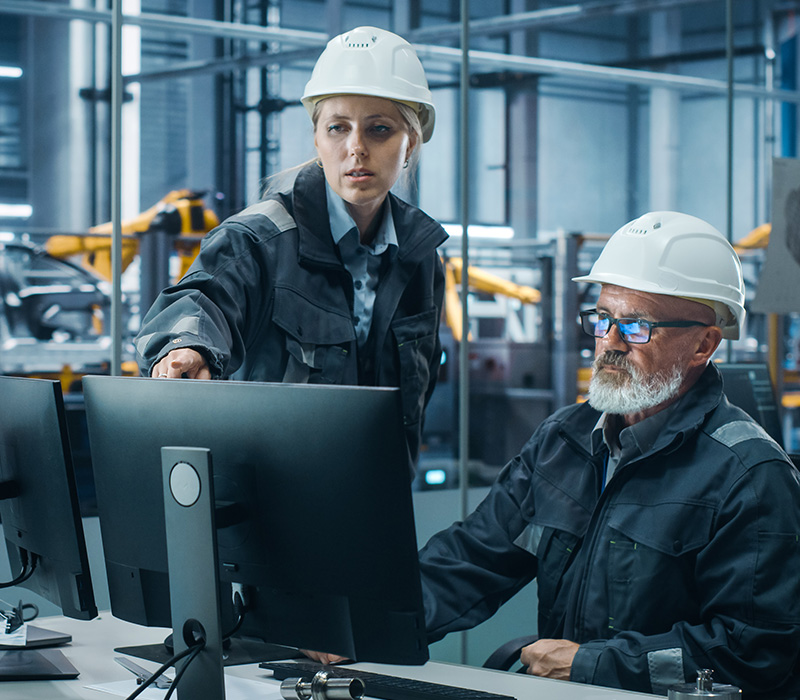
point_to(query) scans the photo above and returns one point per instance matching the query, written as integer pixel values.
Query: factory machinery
(527, 356)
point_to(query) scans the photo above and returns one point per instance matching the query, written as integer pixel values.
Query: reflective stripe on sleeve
(666, 669)
(529, 538)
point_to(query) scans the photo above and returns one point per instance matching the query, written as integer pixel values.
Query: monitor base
(35, 665)
(242, 651)
(38, 638)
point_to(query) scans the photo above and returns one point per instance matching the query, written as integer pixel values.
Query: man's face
(634, 379)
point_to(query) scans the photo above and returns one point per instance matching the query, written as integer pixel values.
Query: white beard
(632, 391)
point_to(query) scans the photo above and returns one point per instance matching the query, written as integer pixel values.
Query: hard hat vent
(360, 40)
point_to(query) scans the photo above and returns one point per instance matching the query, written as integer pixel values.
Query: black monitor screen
(749, 386)
(39, 509)
(313, 498)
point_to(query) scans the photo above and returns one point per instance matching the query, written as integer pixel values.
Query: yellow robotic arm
(484, 282)
(183, 211)
(757, 238)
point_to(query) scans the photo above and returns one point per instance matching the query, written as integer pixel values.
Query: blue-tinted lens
(634, 330)
(601, 325)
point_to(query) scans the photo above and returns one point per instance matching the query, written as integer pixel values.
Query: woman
(334, 280)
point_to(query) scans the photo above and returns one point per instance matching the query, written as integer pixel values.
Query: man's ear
(707, 344)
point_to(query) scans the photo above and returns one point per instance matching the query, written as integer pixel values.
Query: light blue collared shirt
(363, 262)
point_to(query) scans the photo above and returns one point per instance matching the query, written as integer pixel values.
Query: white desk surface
(92, 652)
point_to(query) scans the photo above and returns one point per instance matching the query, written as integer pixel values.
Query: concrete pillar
(665, 38)
(522, 136)
(61, 125)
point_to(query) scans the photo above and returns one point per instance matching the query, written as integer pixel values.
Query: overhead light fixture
(435, 477)
(479, 231)
(10, 72)
(15, 211)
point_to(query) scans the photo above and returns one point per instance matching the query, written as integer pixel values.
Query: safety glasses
(632, 330)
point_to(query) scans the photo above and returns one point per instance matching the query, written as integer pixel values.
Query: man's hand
(182, 362)
(323, 658)
(550, 658)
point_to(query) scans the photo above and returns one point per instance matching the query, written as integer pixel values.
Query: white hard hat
(375, 62)
(665, 252)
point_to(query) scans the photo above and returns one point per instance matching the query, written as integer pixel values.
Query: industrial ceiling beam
(482, 60)
(535, 19)
(228, 30)
(546, 66)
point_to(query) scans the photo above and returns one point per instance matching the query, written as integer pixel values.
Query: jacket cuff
(584, 665)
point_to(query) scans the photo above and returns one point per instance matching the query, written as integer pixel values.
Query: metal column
(565, 327)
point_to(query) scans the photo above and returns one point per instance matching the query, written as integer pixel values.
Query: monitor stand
(242, 651)
(38, 637)
(193, 568)
(35, 665)
(34, 660)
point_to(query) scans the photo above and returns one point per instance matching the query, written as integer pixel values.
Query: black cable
(28, 606)
(161, 669)
(195, 651)
(13, 619)
(239, 607)
(26, 572)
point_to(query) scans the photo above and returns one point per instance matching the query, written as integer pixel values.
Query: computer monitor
(748, 385)
(39, 509)
(314, 509)
(40, 517)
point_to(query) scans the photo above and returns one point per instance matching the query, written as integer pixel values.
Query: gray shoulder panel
(738, 431)
(273, 210)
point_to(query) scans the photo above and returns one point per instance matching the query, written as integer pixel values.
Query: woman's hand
(183, 362)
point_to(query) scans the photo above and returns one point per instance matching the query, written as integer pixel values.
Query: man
(660, 522)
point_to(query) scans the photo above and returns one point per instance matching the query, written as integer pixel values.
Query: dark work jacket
(689, 559)
(268, 299)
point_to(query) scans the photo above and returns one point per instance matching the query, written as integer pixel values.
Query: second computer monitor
(313, 500)
(39, 506)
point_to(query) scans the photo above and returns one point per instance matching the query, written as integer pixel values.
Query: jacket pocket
(416, 343)
(318, 339)
(651, 558)
(669, 528)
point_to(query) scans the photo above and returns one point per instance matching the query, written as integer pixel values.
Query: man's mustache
(614, 358)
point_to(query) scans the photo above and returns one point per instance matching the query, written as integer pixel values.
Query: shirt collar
(640, 436)
(602, 432)
(342, 223)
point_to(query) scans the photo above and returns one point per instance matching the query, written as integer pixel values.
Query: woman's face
(362, 143)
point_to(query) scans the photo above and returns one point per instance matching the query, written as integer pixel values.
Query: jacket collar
(417, 233)
(690, 411)
(310, 211)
